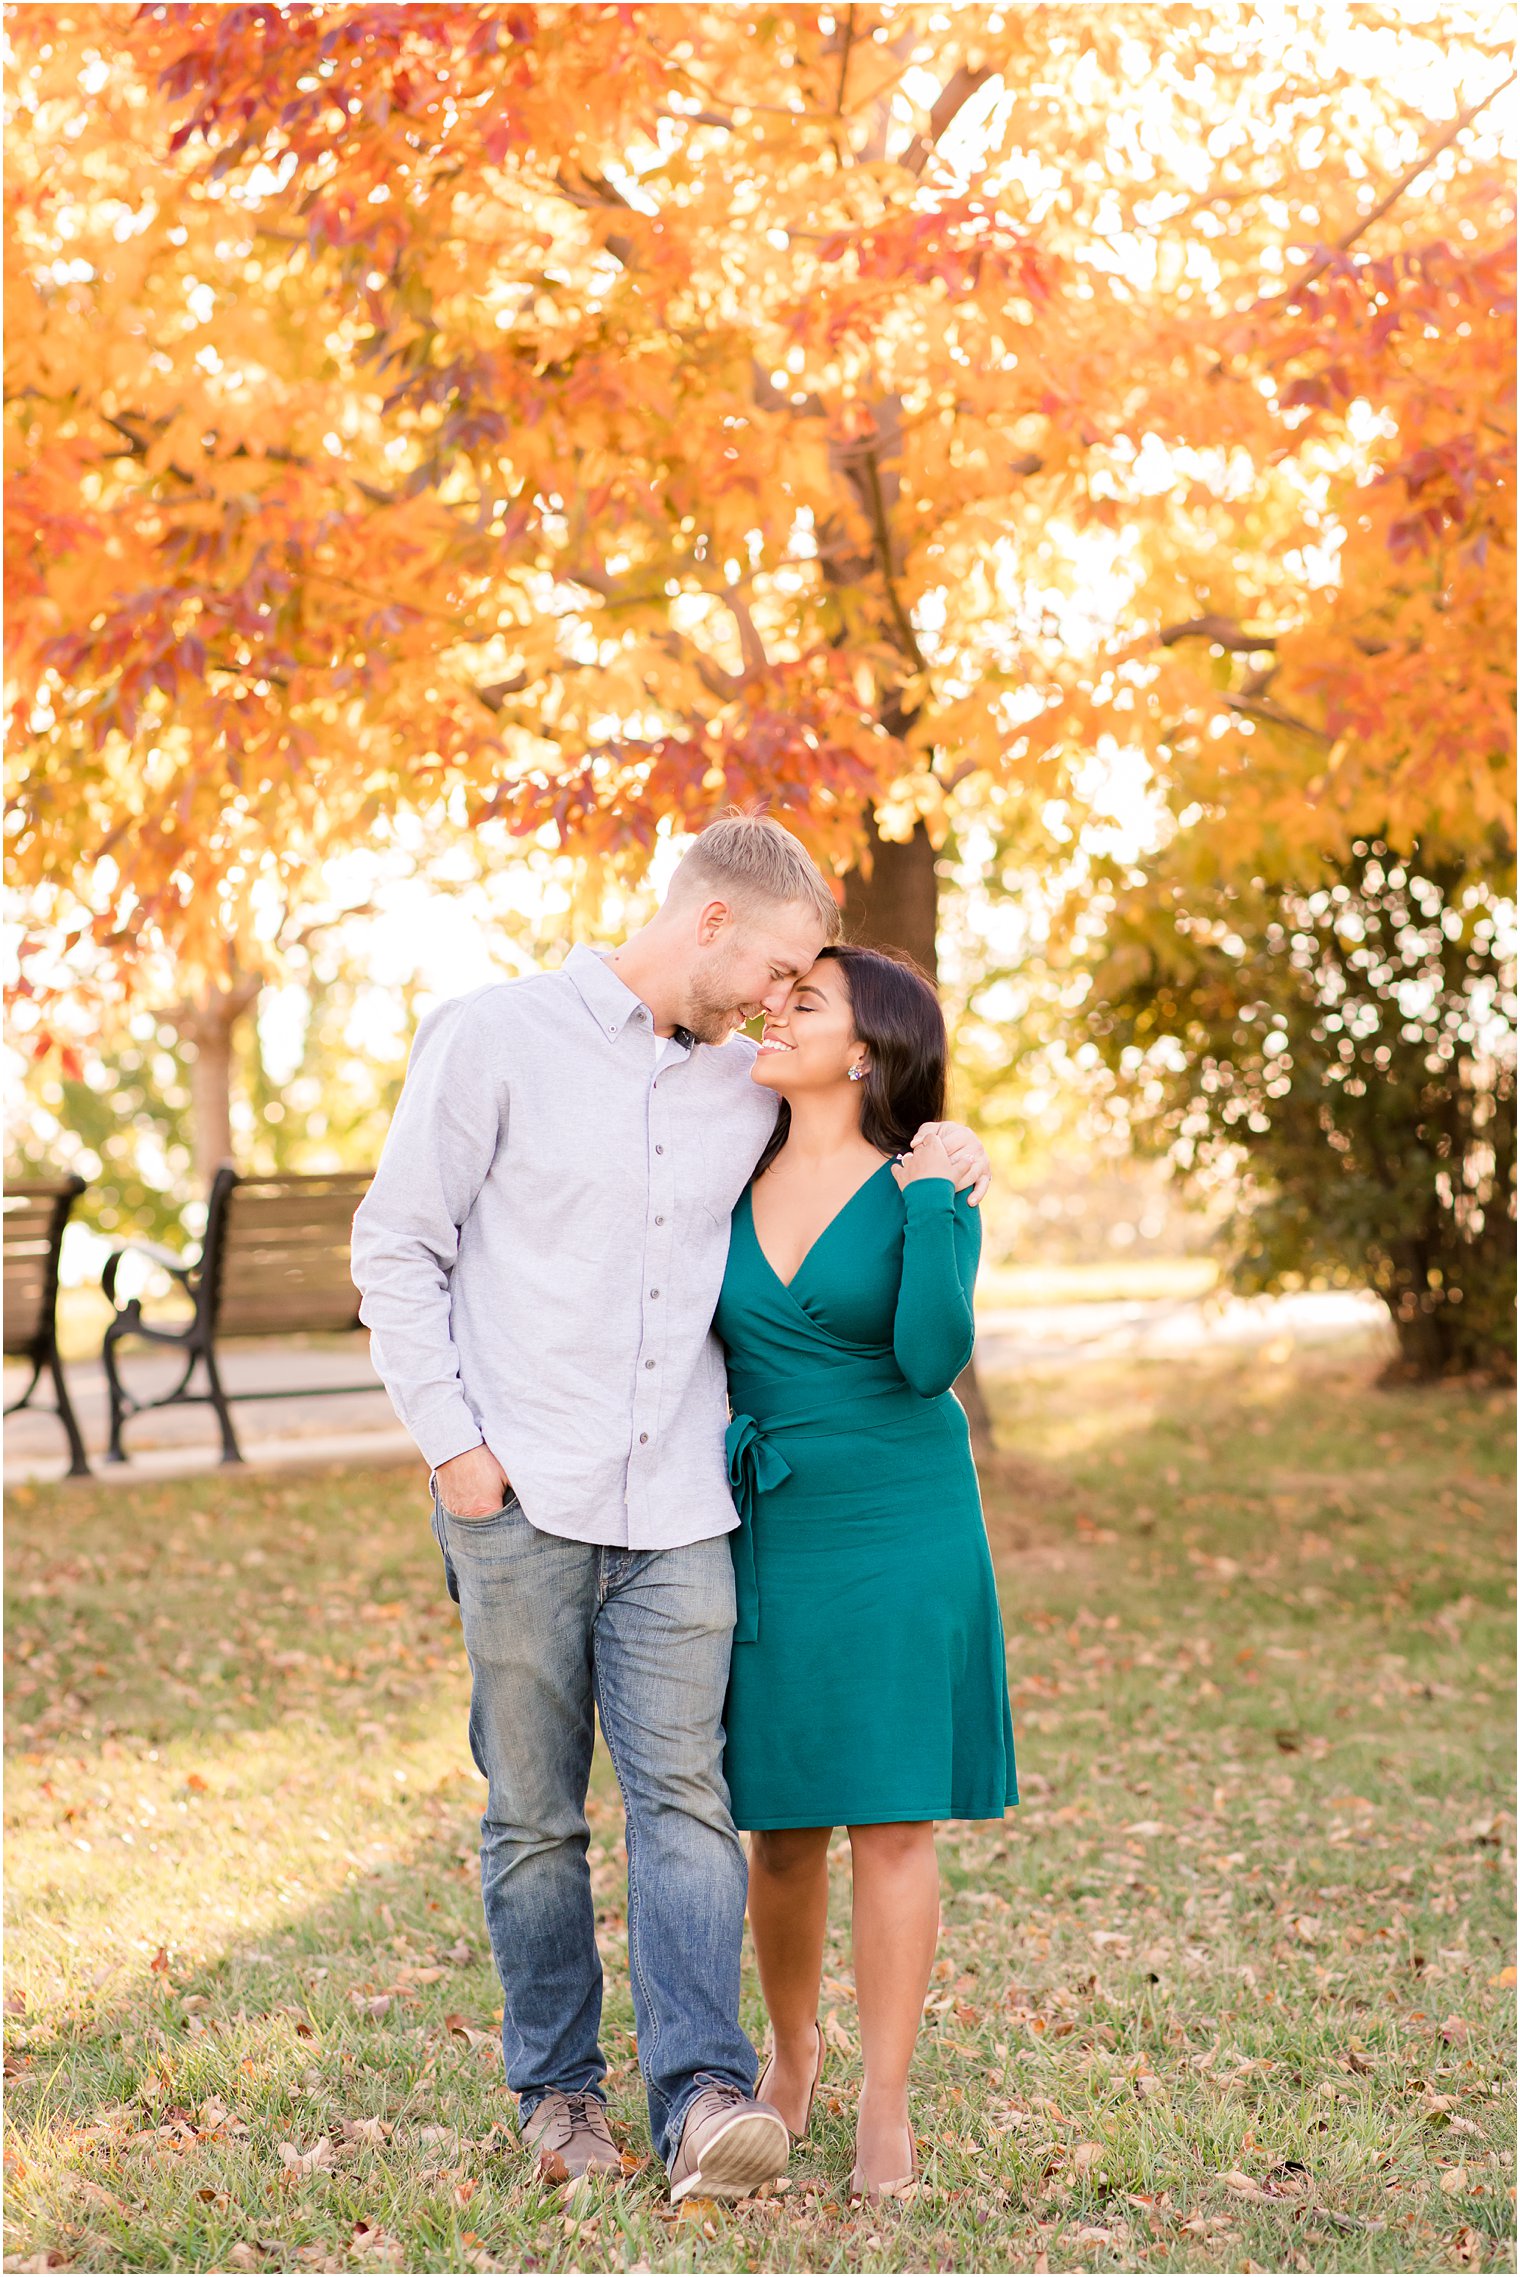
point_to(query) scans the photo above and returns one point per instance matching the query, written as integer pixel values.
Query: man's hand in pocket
(472, 1485)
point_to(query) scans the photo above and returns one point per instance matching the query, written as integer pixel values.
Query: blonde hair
(748, 858)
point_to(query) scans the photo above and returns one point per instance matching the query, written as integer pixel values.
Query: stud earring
(858, 1074)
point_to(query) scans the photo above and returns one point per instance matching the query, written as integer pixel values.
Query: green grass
(1233, 1989)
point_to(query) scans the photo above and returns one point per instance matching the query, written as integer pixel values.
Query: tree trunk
(205, 1022)
(897, 907)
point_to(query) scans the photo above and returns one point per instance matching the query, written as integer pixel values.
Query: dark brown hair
(897, 1017)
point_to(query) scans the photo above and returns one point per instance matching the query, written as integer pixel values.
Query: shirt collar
(610, 1001)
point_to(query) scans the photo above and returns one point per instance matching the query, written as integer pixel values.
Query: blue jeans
(554, 1629)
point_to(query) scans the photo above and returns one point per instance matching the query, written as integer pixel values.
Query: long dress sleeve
(934, 1327)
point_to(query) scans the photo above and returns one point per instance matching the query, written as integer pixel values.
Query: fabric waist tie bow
(754, 1466)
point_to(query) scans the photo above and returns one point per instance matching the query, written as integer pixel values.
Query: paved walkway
(1020, 1337)
(361, 1426)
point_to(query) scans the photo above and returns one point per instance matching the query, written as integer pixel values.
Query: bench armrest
(169, 1259)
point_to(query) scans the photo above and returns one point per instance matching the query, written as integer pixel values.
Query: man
(540, 1256)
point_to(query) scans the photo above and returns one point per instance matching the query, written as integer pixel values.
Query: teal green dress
(868, 1680)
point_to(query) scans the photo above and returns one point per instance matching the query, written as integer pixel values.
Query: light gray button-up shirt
(540, 1252)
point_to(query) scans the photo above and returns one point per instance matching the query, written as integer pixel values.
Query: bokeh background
(1060, 459)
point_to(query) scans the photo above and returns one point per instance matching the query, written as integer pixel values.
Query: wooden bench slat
(288, 1309)
(313, 1322)
(333, 1225)
(267, 1256)
(274, 1198)
(35, 1212)
(276, 1255)
(247, 1269)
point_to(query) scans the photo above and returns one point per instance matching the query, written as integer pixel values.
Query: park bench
(273, 1262)
(35, 1216)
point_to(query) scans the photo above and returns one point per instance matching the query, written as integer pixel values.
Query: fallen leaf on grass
(371, 2003)
(1487, 1830)
(1454, 2180)
(216, 2119)
(1505, 1976)
(835, 2034)
(1086, 2155)
(462, 2029)
(317, 2160)
(95, 2194)
(366, 2130)
(1454, 2031)
(376, 2244)
(1242, 2184)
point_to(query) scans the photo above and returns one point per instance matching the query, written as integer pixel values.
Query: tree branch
(1222, 631)
(496, 694)
(882, 540)
(724, 685)
(752, 646)
(1322, 260)
(1275, 715)
(952, 99)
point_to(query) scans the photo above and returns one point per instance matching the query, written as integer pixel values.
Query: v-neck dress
(868, 1681)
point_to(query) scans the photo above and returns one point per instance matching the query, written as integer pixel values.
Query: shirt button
(643, 1438)
(659, 1221)
(654, 1292)
(659, 1150)
(649, 1363)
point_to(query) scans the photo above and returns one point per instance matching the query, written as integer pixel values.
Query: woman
(868, 1686)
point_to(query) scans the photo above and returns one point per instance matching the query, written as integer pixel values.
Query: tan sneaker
(730, 2144)
(572, 2138)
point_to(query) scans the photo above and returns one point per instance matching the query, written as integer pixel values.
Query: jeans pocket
(477, 1517)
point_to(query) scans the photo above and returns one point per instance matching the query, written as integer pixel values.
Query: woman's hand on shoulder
(927, 1157)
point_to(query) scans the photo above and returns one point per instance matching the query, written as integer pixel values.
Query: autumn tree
(566, 419)
(1311, 975)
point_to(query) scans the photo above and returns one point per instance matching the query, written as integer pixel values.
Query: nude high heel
(762, 2083)
(868, 2191)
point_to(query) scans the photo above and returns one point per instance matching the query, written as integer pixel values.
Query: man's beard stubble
(712, 1014)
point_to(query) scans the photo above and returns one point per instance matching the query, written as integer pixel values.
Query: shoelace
(721, 2092)
(578, 2111)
